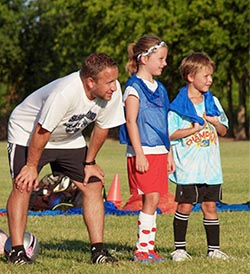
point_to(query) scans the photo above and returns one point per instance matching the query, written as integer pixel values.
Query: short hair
(193, 63)
(95, 63)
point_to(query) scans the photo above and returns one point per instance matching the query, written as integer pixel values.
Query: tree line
(43, 39)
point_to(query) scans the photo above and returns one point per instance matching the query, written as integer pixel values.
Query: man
(47, 128)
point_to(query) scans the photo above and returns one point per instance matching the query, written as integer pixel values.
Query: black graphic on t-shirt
(79, 122)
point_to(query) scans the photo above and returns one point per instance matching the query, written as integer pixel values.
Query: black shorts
(198, 193)
(62, 161)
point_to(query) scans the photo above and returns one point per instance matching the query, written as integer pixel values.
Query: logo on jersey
(204, 138)
(79, 122)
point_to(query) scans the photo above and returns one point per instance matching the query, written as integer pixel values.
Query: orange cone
(114, 194)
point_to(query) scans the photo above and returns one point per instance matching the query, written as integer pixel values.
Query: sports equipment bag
(55, 192)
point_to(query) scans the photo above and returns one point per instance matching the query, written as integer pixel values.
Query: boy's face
(203, 79)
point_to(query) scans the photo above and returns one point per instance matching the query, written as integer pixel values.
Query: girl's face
(156, 62)
(203, 79)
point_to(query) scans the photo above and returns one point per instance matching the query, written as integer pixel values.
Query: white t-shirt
(63, 108)
(146, 150)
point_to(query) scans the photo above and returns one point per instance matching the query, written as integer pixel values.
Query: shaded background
(42, 40)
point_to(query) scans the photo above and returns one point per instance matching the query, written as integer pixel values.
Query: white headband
(152, 49)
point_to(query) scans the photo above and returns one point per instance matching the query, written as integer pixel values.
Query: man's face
(105, 84)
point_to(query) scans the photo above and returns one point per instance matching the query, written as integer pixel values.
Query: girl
(149, 157)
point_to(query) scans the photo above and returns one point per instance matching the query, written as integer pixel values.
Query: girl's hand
(171, 162)
(141, 163)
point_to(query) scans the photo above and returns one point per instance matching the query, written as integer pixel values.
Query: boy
(195, 121)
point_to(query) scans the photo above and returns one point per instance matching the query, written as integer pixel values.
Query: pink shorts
(154, 180)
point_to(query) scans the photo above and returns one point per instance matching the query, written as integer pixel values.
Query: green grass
(64, 239)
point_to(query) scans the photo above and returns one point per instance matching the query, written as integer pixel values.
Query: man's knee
(94, 188)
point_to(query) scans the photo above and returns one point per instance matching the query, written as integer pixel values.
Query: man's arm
(28, 176)
(97, 139)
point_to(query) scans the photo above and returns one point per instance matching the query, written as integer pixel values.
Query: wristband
(92, 163)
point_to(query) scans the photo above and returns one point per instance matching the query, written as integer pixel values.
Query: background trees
(41, 40)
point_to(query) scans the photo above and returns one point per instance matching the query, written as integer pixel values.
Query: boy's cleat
(217, 254)
(141, 257)
(180, 255)
(19, 258)
(155, 257)
(102, 257)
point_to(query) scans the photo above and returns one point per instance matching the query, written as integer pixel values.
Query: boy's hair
(193, 63)
(95, 63)
(136, 49)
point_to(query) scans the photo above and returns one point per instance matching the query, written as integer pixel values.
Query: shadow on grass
(66, 247)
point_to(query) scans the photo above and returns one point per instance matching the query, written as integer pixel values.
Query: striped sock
(180, 230)
(212, 228)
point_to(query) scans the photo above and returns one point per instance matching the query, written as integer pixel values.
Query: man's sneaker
(180, 255)
(102, 257)
(217, 254)
(141, 257)
(19, 258)
(155, 257)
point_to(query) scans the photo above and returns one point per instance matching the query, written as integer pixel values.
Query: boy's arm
(182, 133)
(221, 129)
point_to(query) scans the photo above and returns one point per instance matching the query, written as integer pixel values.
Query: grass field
(64, 239)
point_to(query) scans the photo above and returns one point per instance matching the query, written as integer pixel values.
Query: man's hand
(93, 170)
(27, 179)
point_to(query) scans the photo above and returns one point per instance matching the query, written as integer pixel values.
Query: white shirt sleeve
(129, 91)
(132, 91)
(53, 111)
(222, 118)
